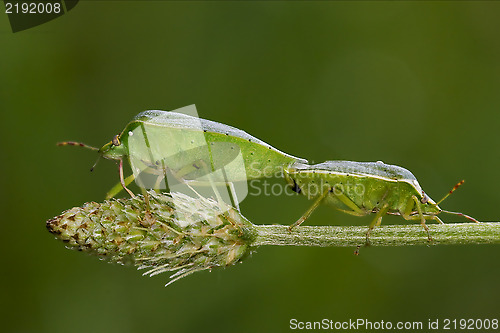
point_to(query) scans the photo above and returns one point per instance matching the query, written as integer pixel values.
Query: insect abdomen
(181, 144)
(368, 192)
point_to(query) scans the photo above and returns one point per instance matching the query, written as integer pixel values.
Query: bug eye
(115, 141)
(425, 198)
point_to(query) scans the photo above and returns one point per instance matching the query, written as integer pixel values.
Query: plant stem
(388, 235)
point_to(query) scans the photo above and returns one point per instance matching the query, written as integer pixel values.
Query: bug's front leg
(407, 214)
(438, 219)
(122, 180)
(118, 187)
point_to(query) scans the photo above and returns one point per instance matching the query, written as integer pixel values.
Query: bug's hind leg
(309, 211)
(336, 192)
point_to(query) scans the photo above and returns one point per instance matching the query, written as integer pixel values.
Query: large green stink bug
(189, 149)
(362, 188)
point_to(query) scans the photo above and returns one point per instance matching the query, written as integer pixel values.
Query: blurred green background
(409, 83)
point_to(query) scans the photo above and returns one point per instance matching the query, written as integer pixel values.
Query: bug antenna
(98, 159)
(461, 214)
(79, 144)
(452, 190)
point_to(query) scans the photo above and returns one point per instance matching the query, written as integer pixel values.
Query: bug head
(113, 150)
(429, 206)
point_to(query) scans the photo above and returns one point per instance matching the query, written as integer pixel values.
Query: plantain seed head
(179, 233)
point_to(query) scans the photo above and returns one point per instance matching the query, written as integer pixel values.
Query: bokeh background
(409, 83)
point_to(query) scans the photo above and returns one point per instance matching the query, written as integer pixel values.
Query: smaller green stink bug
(362, 188)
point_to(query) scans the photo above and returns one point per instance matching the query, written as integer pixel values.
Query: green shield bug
(166, 149)
(362, 188)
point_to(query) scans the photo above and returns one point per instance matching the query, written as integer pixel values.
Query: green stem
(388, 235)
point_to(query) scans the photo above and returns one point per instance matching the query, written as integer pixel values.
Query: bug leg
(122, 181)
(355, 210)
(438, 219)
(180, 175)
(348, 202)
(309, 211)
(157, 183)
(422, 219)
(377, 220)
(212, 183)
(148, 219)
(217, 194)
(208, 169)
(234, 198)
(414, 202)
(119, 187)
(351, 212)
(409, 208)
(161, 177)
(232, 190)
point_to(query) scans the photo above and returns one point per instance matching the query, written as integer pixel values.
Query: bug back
(187, 122)
(377, 169)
